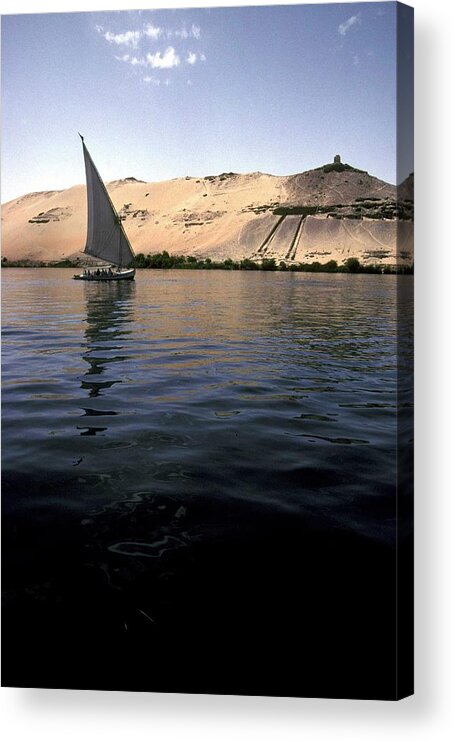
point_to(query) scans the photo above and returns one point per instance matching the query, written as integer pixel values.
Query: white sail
(106, 238)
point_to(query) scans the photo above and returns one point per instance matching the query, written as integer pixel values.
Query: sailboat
(106, 237)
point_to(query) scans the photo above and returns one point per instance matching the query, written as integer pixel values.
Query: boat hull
(127, 275)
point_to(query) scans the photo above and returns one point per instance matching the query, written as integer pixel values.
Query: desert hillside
(333, 212)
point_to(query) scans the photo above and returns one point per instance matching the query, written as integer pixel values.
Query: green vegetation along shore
(164, 260)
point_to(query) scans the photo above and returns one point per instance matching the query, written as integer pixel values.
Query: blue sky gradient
(164, 94)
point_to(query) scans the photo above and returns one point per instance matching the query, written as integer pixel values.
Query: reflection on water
(187, 459)
(108, 308)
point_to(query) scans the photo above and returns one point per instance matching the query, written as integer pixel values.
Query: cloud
(193, 33)
(128, 38)
(153, 32)
(149, 31)
(135, 61)
(354, 20)
(192, 57)
(164, 61)
(142, 39)
(157, 61)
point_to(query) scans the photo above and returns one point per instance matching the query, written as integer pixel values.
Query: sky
(168, 93)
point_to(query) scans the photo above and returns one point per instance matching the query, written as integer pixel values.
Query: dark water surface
(199, 481)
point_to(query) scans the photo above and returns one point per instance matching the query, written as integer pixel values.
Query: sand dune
(227, 215)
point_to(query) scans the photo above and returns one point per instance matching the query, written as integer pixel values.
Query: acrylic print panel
(207, 463)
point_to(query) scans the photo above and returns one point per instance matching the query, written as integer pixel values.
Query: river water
(199, 482)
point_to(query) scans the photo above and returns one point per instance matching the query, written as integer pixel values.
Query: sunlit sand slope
(252, 215)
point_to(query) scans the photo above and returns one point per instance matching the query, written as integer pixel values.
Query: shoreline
(164, 260)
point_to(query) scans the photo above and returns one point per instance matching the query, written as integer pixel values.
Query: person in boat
(110, 271)
(97, 271)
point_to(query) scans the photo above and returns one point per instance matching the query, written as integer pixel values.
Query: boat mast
(120, 244)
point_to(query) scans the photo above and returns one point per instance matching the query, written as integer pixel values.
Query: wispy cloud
(192, 57)
(159, 60)
(153, 32)
(132, 38)
(354, 20)
(184, 33)
(128, 38)
(143, 39)
(164, 61)
(135, 61)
